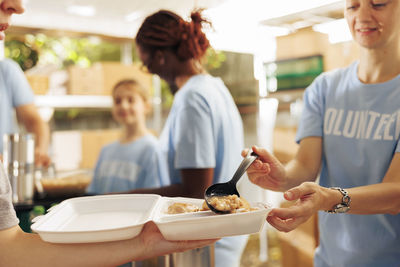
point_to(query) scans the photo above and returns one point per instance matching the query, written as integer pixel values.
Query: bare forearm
(375, 199)
(29, 116)
(39, 253)
(297, 173)
(380, 198)
(42, 135)
(306, 164)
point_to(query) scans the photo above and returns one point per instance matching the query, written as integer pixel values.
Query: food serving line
(62, 212)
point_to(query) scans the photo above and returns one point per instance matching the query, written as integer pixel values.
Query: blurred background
(267, 52)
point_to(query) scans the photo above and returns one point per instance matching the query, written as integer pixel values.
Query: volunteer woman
(350, 127)
(203, 134)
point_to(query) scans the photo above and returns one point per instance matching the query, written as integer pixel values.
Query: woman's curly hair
(166, 30)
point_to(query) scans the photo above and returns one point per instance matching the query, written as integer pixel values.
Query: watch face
(342, 209)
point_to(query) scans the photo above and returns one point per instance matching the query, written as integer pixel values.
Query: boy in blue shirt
(135, 160)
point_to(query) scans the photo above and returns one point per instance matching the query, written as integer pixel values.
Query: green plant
(21, 52)
(61, 51)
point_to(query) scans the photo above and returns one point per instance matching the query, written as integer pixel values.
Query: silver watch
(344, 206)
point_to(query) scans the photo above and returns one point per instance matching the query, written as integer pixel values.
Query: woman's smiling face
(7, 9)
(373, 23)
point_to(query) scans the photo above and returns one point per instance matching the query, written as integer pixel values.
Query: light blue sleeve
(312, 116)
(155, 170)
(94, 185)
(193, 138)
(17, 83)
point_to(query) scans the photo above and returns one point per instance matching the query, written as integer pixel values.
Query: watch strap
(344, 206)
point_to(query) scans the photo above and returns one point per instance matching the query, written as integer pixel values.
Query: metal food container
(199, 257)
(18, 161)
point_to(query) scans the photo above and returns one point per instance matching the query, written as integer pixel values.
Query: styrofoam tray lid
(96, 218)
(118, 217)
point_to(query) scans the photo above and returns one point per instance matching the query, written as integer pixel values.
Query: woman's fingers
(291, 212)
(285, 225)
(300, 191)
(258, 166)
(244, 152)
(287, 219)
(262, 153)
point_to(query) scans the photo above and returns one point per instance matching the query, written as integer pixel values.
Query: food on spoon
(230, 203)
(177, 208)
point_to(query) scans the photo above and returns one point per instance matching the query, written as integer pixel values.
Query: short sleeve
(156, 171)
(193, 139)
(16, 82)
(8, 217)
(94, 186)
(311, 121)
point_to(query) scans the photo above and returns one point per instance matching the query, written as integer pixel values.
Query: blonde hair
(135, 85)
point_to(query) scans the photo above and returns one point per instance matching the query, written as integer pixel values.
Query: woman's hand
(266, 171)
(310, 198)
(154, 244)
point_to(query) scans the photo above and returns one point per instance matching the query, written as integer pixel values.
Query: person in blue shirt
(16, 95)
(18, 248)
(349, 135)
(135, 160)
(203, 134)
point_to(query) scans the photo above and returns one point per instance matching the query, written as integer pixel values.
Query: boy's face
(129, 107)
(7, 9)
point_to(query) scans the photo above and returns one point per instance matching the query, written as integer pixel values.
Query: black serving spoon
(229, 188)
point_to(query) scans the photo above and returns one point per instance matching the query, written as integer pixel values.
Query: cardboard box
(285, 146)
(302, 43)
(100, 78)
(72, 150)
(114, 72)
(306, 42)
(85, 81)
(298, 246)
(92, 142)
(297, 249)
(66, 150)
(38, 83)
(310, 227)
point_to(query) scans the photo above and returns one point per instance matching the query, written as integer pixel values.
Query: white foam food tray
(118, 217)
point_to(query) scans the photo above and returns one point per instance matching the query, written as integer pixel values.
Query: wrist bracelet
(344, 206)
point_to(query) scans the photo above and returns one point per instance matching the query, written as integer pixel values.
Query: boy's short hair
(135, 85)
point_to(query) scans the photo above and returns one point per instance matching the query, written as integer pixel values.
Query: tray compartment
(206, 224)
(96, 219)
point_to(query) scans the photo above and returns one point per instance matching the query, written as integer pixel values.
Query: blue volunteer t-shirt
(14, 91)
(121, 167)
(204, 130)
(360, 127)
